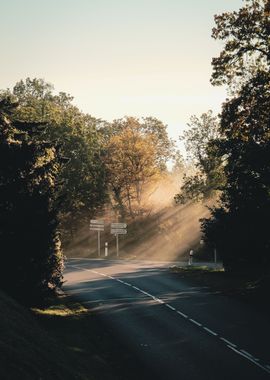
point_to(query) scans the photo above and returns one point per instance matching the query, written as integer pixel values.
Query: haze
(139, 58)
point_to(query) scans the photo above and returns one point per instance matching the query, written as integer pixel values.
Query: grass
(249, 288)
(60, 341)
(196, 269)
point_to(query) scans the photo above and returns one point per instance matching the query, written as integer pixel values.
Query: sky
(117, 57)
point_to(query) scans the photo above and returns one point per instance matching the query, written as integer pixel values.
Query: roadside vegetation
(233, 160)
(60, 167)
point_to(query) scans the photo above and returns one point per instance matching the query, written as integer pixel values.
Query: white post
(190, 262)
(106, 249)
(117, 246)
(98, 243)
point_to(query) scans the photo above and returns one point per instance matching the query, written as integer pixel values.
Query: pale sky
(117, 57)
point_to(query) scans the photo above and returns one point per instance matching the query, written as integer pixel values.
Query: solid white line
(195, 322)
(228, 342)
(135, 287)
(182, 314)
(210, 331)
(249, 358)
(170, 307)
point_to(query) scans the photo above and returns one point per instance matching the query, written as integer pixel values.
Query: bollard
(190, 257)
(106, 249)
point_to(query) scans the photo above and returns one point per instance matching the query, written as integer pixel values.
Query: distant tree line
(59, 168)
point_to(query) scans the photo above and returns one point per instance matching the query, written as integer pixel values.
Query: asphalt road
(172, 328)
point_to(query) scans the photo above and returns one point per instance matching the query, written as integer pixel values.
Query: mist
(165, 231)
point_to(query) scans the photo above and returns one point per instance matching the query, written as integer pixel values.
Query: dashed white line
(182, 314)
(250, 359)
(195, 322)
(229, 344)
(248, 354)
(210, 331)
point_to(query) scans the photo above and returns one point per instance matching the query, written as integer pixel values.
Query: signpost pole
(117, 246)
(98, 243)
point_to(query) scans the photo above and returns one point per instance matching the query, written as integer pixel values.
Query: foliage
(32, 260)
(238, 226)
(202, 154)
(83, 177)
(246, 37)
(136, 153)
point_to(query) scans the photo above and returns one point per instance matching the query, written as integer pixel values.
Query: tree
(238, 225)
(83, 177)
(202, 155)
(135, 154)
(246, 37)
(32, 259)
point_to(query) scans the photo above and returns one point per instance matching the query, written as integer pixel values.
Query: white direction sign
(118, 225)
(96, 225)
(96, 228)
(95, 221)
(118, 232)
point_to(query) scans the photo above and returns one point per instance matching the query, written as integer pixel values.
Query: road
(172, 328)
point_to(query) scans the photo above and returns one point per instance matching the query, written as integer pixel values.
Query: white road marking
(170, 307)
(158, 300)
(248, 354)
(195, 322)
(210, 331)
(250, 359)
(229, 344)
(182, 314)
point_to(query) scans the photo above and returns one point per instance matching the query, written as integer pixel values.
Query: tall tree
(83, 177)
(136, 153)
(245, 34)
(31, 259)
(238, 224)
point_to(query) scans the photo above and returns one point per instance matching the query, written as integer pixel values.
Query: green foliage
(31, 259)
(238, 226)
(203, 155)
(83, 176)
(246, 37)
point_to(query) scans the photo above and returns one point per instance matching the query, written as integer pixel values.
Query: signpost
(97, 225)
(118, 229)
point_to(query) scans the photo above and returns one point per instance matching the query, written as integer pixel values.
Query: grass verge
(250, 288)
(60, 341)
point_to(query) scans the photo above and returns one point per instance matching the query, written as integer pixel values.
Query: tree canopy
(32, 259)
(238, 226)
